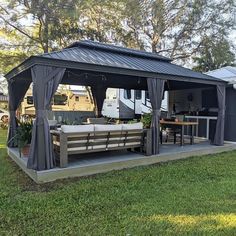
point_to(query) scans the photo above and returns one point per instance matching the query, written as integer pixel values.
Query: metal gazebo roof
(95, 56)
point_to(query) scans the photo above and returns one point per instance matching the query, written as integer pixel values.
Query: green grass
(190, 197)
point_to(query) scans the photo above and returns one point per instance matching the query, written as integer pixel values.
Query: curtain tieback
(41, 113)
(157, 112)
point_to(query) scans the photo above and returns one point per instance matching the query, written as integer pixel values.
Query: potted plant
(146, 120)
(23, 137)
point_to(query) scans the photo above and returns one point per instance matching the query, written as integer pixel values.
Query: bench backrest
(100, 140)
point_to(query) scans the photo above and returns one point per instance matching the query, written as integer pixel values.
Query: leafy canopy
(214, 54)
(175, 28)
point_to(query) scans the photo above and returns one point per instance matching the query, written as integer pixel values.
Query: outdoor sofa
(80, 139)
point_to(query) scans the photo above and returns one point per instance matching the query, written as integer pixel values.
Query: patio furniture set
(96, 135)
(71, 139)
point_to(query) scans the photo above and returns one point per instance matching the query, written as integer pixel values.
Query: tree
(30, 27)
(40, 26)
(214, 54)
(176, 28)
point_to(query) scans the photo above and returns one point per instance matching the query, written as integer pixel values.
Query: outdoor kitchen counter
(207, 118)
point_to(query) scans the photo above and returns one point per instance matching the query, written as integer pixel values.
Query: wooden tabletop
(164, 122)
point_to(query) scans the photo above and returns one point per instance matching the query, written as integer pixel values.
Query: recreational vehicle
(128, 104)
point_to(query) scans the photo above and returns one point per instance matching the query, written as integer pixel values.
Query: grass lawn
(189, 197)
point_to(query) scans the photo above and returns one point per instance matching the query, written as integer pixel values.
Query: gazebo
(99, 66)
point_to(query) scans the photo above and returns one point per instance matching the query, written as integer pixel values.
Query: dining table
(180, 125)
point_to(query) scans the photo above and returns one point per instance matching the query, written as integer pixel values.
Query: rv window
(76, 98)
(127, 94)
(30, 100)
(60, 99)
(138, 94)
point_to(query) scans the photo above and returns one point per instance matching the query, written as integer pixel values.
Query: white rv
(128, 104)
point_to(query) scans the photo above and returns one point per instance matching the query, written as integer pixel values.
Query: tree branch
(18, 29)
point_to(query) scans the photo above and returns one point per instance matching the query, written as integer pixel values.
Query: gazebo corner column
(46, 80)
(155, 90)
(219, 134)
(16, 92)
(99, 95)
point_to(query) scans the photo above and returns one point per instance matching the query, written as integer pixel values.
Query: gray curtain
(99, 95)
(219, 134)
(16, 93)
(45, 83)
(155, 90)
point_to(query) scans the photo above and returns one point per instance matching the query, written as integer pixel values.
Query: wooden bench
(70, 143)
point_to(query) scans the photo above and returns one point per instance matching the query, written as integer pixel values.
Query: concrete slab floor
(94, 163)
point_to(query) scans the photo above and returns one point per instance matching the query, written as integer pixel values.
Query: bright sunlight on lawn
(188, 197)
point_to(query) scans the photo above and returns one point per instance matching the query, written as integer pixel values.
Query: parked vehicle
(127, 103)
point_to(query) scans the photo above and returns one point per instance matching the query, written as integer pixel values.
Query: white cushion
(77, 128)
(132, 126)
(107, 127)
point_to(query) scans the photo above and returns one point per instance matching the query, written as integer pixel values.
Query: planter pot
(25, 150)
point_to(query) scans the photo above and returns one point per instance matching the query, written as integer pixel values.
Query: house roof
(227, 73)
(89, 55)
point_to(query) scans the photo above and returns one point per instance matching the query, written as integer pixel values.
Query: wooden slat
(101, 149)
(104, 136)
(103, 142)
(79, 138)
(178, 122)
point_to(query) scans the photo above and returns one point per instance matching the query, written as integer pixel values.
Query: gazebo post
(220, 125)
(99, 95)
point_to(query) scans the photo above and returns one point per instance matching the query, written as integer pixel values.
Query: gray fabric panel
(16, 92)
(230, 115)
(45, 83)
(155, 90)
(99, 95)
(219, 134)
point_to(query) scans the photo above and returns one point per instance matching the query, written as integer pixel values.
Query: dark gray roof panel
(122, 50)
(92, 54)
(109, 58)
